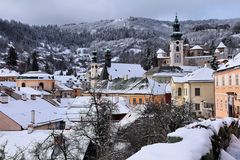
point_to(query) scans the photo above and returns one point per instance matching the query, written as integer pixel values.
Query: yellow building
(196, 88)
(135, 90)
(36, 79)
(227, 89)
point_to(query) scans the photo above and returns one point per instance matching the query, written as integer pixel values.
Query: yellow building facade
(197, 89)
(37, 80)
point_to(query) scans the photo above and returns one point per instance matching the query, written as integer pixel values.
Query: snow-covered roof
(8, 84)
(168, 74)
(132, 115)
(231, 63)
(195, 143)
(64, 102)
(36, 75)
(22, 140)
(119, 70)
(80, 106)
(196, 47)
(133, 86)
(150, 87)
(189, 69)
(65, 79)
(197, 57)
(202, 74)
(217, 51)
(26, 142)
(30, 91)
(63, 87)
(20, 111)
(4, 72)
(161, 51)
(221, 45)
(161, 54)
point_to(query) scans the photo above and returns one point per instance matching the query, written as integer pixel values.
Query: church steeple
(176, 45)
(177, 35)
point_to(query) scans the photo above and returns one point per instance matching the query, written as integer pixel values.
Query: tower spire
(177, 35)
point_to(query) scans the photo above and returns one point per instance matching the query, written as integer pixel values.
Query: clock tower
(176, 45)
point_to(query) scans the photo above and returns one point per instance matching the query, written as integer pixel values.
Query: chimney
(30, 128)
(42, 95)
(108, 58)
(126, 77)
(33, 97)
(110, 78)
(24, 97)
(33, 116)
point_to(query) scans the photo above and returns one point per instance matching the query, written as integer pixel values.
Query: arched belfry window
(177, 49)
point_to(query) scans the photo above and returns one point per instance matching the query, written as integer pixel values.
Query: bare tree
(98, 127)
(93, 135)
(153, 126)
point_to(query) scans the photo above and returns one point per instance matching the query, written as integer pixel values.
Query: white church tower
(176, 45)
(94, 70)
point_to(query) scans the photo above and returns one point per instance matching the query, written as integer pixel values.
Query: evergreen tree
(28, 65)
(47, 69)
(11, 60)
(214, 63)
(75, 72)
(69, 72)
(35, 66)
(146, 63)
(61, 73)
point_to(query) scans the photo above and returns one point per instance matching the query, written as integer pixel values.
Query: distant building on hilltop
(184, 54)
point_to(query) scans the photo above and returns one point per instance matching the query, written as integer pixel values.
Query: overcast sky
(44, 12)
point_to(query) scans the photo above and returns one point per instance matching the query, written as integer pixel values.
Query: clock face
(177, 42)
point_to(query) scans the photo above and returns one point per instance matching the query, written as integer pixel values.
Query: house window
(236, 79)
(140, 100)
(197, 91)
(134, 101)
(230, 80)
(223, 80)
(238, 109)
(179, 91)
(197, 106)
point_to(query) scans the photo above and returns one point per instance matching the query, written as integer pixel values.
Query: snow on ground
(196, 143)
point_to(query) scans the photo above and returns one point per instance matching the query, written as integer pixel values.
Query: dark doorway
(41, 86)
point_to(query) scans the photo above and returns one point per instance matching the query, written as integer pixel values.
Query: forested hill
(121, 35)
